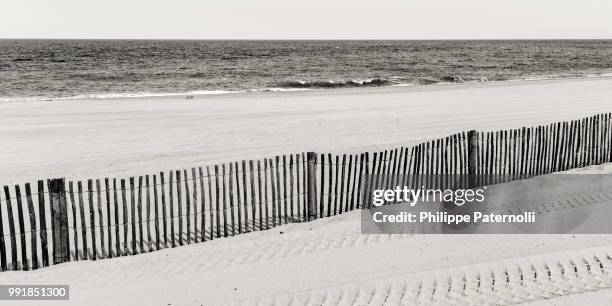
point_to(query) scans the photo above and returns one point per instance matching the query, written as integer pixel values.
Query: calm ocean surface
(65, 69)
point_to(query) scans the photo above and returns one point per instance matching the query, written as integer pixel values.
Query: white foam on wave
(121, 95)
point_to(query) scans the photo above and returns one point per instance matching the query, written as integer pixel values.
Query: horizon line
(313, 39)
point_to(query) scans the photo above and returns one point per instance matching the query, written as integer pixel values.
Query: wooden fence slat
(116, 202)
(156, 213)
(85, 254)
(291, 190)
(133, 215)
(238, 208)
(148, 218)
(203, 205)
(217, 202)
(244, 196)
(108, 218)
(179, 205)
(11, 220)
(22, 235)
(279, 210)
(33, 228)
(329, 184)
(211, 212)
(3, 263)
(231, 197)
(336, 194)
(59, 220)
(171, 209)
(342, 183)
(298, 187)
(285, 189)
(92, 219)
(253, 204)
(100, 219)
(259, 195)
(223, 189)
(273, 194)
(194, 188)
(42, 221)
(163, 205)
(187, 207)
(75, 240)
(139, 209)
(124, 214)
(266, 202)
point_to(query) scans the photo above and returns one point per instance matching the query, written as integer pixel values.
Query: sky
(306, 19)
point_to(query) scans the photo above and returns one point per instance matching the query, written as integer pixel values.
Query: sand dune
(122, 137)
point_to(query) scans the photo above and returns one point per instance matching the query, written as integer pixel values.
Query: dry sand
(329, 262)
(323, 262)
(122, 137)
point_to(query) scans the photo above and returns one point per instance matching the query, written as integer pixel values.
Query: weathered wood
(11, 221)
(156, 213)
(133, 215)
(179, 205)
(82, 218)
(163, 205)
(187, 207)
(217, 202)
(238, 205)
(33, 228)
(291, 185)
(59, 221)
(22, 234)
(312, 185)
(259, 195)
(116, 205)
(322, 188)
(245, 196)
(92, 219)
(203, 204)
(3, 263)
(279, 209)
(42, 221)
(148, 201)
(305, 185)
(336, 182)
(224, 204)
(100, 219)
(266, 202)
(195, 204)
(139, 209)
(171, 209)
(124, 201)
(329, 185)
(108, 217)
(253, 204)
(210, 203)
(472, 158)
(273, 194)
(231, 197)
(299, 188)
(342, 203)
(75, 239)
(284, 181)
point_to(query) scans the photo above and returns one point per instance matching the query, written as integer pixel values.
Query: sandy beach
(80, 139)
(330, 262)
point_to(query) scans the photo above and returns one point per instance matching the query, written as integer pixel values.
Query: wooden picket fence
(110, 217)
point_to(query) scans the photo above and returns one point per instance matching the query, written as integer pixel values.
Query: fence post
(311, 158)
(59, 220)
(472, 158)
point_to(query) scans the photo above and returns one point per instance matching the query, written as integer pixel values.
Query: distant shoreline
(274, 91)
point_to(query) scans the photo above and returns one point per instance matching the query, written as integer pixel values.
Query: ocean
(71, 69)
